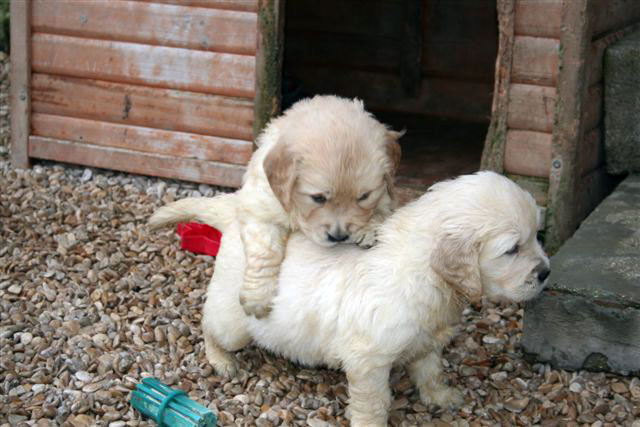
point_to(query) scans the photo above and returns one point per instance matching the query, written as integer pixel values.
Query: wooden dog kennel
(178, 88)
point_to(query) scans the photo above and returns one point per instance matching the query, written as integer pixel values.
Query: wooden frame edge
(568, 126)
(269, 51)
(20, 91)
(494, 145)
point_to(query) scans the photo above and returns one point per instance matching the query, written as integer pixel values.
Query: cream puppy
(325, 168)
(366, 310)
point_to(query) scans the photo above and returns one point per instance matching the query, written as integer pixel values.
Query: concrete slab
(622, 105)
(589, 317)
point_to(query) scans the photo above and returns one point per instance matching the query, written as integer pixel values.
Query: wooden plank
(241, 5)
(268, 62)
(528, 153)
(494, 144)
(531, 107)
(538, 187)
(20, 90)
(370, 18)
(143, 106)
(156, 66)
(535, 60)
(538, 18)
(591, 152)
(137, 162)
(612, 15)
(149, 23)
(460, 39)
(467, 100)
(562, 218)
(169, 143)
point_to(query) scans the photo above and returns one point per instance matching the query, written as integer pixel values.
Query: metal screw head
(556, 164)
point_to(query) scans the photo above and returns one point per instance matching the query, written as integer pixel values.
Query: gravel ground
(91, 302)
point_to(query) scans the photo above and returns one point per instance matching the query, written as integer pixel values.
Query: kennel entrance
(426, 66)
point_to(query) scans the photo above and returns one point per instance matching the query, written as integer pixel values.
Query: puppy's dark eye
(512, 251)
(319, 199)
(364, 197)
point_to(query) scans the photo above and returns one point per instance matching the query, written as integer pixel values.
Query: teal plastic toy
(170, 407)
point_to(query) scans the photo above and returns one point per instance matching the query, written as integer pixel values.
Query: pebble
(91, 301)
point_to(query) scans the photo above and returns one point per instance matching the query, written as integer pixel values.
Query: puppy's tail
(217, 212)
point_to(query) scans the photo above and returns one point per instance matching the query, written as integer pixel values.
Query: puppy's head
(332, 167)
(488, 239)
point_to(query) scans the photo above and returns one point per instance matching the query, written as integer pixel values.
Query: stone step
(589, 316)
(622, 105)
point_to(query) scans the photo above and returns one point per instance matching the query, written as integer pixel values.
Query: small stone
(575, 387)
(86, 175)
(516, 405)
(242, 398)
(488, 339)
(499, 376)
(26, 338)
(84, 376)
(101, 340)
(14, 289)
(619, 387)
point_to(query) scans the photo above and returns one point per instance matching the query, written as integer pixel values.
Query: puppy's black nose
(543, 274)
(339, 236)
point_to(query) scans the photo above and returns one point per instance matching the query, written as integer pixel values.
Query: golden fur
(324, 148)
(366, 310)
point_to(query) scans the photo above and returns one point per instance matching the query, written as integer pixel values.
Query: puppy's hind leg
(426, 373)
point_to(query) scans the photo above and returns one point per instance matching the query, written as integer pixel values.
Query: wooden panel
(494, 143)
(535, 60)
(447, 98)
(176, 68)
(20, 93)
(591, 152)
(268, 79)
(538, 18)
(243, 5)
(136, 162)
(149, 23)
(177, 144)
(460, 39)
(528, 153)
(531, 107)
(373, 17)
(143, 106)
(611, 15)
(538, 187)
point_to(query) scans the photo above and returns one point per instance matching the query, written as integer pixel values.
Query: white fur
(327, 146)
(366, 310)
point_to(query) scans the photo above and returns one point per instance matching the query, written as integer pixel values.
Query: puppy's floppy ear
(455, 259)
(394, 153)
(280, 167)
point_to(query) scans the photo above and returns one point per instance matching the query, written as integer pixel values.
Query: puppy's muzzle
(542, 271)
(337, 236)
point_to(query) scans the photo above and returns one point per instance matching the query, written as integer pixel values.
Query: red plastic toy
(199, 238)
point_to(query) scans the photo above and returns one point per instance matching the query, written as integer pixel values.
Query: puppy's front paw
(443, 396)
(256, 301)
(366, 238)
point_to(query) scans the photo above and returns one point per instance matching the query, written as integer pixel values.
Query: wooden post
(20, 92)
(494, 145)
(568, 126)
(268, 62)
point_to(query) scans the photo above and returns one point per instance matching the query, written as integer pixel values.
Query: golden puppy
(325, 168)
(365, 311)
